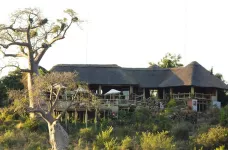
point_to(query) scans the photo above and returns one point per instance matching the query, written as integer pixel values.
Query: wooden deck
(137, 100)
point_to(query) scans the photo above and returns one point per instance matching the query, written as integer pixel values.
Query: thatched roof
(192, 75)
(98, 74)
(148, 78)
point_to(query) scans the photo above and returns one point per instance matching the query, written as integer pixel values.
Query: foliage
(13, 80)
(86, 134)
(171, 103)
(169, 61)
(111, 144)
(215, 137)
(10, 82)
(15, 139)
(127, 143)
(160, 140)
(224, 116)
(180, 131)
(104, 139)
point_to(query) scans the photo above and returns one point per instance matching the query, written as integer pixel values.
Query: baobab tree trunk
(33, 67)
(59, 138)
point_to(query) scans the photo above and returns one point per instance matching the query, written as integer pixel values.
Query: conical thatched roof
(193, 75)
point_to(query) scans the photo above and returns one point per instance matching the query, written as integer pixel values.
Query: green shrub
(111, 144)
(12, 139)
(181, 130)
(158, 141)
(104, 138)
(86, 134)
(224, 116)
(126, 143)
(215, 137)
(31, 124)
(171, 103)
(220, 148)
(204, 128)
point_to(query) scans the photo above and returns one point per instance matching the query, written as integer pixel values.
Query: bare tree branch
(36, 110)
(14, 43)
(55, 101)
(17, 29)
(41, 54)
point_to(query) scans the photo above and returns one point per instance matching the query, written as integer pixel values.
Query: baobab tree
(30, 35)
(47, 90)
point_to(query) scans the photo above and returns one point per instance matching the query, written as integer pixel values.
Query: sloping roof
(148, 77)
(98, 74)
(193, 75)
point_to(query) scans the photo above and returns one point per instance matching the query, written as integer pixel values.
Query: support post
(131, 90)
(99, 89)
(144, 94)
(216, 94)
(86, 118)
(171, 93)
(83, 117)
(163, 94)
(75, 116)
(192, 92)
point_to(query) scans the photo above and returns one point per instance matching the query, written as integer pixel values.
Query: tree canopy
(168, 61)
(31, 35)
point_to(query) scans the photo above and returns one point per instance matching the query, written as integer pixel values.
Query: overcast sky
(132, 33)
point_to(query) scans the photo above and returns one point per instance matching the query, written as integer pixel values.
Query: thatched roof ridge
(193, 75)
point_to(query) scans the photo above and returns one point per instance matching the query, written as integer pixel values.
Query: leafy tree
(222, 94)
(31, 34)
(220, 76)
(13, 80)
(10, 82)
(169, 61)
(47, 92)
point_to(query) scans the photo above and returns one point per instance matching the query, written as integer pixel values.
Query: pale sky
(131, 33)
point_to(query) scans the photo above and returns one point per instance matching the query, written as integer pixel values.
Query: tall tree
(31, 34)
(169, 61)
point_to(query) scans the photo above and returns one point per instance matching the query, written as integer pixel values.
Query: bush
(126, 143)
(31, 124)
(104, 139)
(215, 137)
(224, 116)
(86, 134)
(161, 140)
(181, 130)
(37, 141)
(171, 103)
(11, 139)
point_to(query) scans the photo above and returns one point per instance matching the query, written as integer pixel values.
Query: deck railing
(200, 96)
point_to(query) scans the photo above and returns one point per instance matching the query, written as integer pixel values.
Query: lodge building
(140, 84)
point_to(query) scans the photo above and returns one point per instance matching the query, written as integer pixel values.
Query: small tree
(47, 90)
(169, 61)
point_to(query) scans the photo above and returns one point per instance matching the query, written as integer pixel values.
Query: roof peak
(194, 63)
